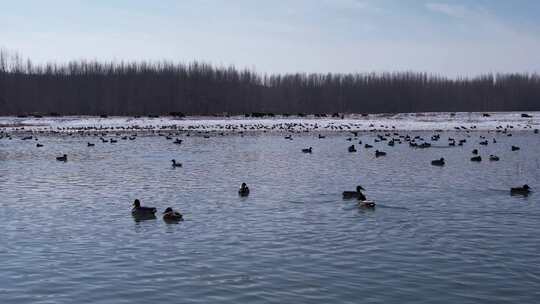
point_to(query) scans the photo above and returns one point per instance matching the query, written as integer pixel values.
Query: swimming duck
(493, 158)
(366, 204)
(139, 211)
(525, 190)
(352, 148)
(177, 141)
(367, 146)
(62, 158)
(244, 190)
(475, 151)
(175, 164)
(308, 150)
(354, 194)
(169, 215)
(438, 162)
(476, 158)
(39, 145)
(90, 144)
(379, 153)
(515, 148)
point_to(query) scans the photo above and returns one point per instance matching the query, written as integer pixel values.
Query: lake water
(448, 234)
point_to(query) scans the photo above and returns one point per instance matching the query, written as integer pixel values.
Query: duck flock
(382, 138)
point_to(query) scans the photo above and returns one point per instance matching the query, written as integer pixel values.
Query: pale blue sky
(446, 37)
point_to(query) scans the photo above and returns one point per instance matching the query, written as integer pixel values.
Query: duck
(493, 158)
(62, 158)
(39, 145)
(476, 158)
(524, 190)
(352, 148)
(244, 190)
(366, 204)
(379, 153)
(308, 150)
(169, 215)
(90, 144)
(475, 151)
(354, 194)
(177, 141)
(367, 146)
(175, 164)
(515, 148)
(438, 162)
(139, 211)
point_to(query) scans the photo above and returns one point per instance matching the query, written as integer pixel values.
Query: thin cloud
(347, 4)
(455, 11)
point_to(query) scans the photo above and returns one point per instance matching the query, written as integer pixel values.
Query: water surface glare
(438, 235)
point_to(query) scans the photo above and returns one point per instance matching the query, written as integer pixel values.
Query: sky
(450, 38)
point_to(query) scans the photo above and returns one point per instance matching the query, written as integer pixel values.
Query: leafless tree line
(142, 88)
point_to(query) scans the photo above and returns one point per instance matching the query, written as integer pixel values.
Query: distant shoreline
(444, 121)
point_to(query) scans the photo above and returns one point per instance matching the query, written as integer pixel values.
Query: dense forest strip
(141, 88)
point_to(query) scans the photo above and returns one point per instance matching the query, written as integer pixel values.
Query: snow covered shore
(402, 121)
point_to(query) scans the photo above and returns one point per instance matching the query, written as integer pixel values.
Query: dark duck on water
(354, 194)
(142, 212)
(169, 215)
(524, 190)
(438, 162)
(244, 190)
(379, 153)
(62, 158)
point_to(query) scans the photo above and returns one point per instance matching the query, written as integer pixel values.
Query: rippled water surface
(438, 235)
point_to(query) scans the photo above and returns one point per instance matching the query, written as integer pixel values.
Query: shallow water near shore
(449, 234)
